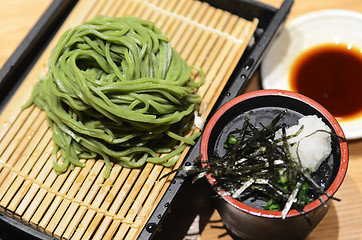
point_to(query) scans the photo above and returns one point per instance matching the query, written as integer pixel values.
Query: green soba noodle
(116, 89)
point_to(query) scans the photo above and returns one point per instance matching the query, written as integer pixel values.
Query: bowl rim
(283, 93)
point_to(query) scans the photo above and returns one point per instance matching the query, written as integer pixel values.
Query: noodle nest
(117, 90)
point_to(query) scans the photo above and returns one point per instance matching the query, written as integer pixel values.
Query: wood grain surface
(198, 219)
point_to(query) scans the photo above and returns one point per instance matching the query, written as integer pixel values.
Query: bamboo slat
(81, 204)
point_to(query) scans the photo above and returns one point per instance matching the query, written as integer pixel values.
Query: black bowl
(248, 220)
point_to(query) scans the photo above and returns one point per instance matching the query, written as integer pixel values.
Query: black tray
(26, 55)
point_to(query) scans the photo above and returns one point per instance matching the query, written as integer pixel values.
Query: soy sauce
(331, 74)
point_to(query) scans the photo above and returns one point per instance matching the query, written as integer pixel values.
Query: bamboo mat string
(30, 188)
(69, 190)
(67, 207)
(117, 203)
(76, 209)
(56, 191)
(25, 178)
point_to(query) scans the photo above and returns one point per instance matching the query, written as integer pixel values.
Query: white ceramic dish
(320, 27)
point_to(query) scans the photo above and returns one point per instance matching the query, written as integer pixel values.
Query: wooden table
(193, 216)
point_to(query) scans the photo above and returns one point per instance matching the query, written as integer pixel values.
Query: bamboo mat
(81, 204)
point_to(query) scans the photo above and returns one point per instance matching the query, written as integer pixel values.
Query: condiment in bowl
(319, 55)
(248, 219)
(331, 74)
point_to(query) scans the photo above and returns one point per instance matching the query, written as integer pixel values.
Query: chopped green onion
(272, 205)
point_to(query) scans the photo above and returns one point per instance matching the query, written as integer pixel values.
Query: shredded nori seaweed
(258, 164)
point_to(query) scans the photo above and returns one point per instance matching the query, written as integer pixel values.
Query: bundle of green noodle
(116, 90)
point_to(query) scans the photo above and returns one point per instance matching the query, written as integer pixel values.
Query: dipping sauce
(331, 74)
